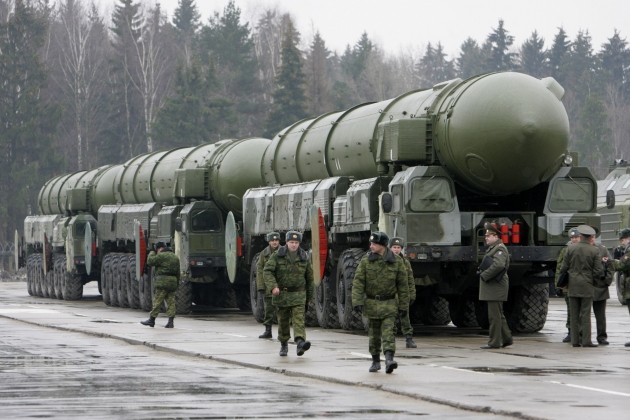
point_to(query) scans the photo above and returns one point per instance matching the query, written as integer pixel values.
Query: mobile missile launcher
(431, 166)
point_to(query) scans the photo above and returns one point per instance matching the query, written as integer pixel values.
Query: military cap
(396, 241)
(573, 232)
(273, 236)
(586, 230)
(293, 235)
(160, 245)
(380, 238)
(625, 233)
(492, 228)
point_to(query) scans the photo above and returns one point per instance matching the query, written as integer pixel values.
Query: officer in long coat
(289, 278)
(380, 291)
(273, 239)
(584, 265)
(621, 263)
(396, 245)
(600, 292)
(494, 285)
(574, 238)
(166, 280)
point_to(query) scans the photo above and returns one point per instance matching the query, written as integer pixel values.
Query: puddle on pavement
(535, 371)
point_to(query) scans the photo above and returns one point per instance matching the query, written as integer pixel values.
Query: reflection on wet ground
(535, 372)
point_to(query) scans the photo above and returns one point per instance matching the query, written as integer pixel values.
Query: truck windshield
(571, 194)
(431, 194)
(206, 221)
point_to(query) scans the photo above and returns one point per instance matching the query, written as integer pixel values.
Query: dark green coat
(494, 282)
(166, 263)
(294, 277)
(382, 276)
(600, 284)
(559, 260)
(584, 264)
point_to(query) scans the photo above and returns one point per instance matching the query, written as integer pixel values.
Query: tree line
(81, 90)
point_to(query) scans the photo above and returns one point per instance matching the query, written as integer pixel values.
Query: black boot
(410, 342)
(170, 324)
(376, 363)
(150, 322)
(390, 364)
(567, 339)
(267, 333)
(302, 346)
(284, 349)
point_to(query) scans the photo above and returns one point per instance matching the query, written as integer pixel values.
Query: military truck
(431, 165)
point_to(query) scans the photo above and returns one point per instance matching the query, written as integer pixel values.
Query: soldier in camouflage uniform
(288, 277)
(396, 245)
(380, 290)
(494, 285)
(621, 263)
(574, 238)
(273, 239)
(166, 279)
(584, 265)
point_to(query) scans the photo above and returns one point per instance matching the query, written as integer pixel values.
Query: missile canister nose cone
(504, 133)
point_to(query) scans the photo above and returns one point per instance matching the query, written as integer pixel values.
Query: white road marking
(9, 311)
(588, 388)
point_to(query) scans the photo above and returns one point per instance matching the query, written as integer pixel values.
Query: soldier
(166, 280)
(493, 287)
(584, 265)
(288, 277)
(574, 238)
(380, 286)
(273, 239)
(621, 263)
(600, 292)
(396, 245)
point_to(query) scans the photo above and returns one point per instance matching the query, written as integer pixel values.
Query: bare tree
(618, 112)
(268, 40)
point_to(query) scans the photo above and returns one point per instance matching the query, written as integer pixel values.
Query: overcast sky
(401, 25)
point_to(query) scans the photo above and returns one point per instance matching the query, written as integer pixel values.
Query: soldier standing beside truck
(396, 245)
(621, 263)
(166, 264)
(273, 239)
(380, 291)
(574, 238)
(601, 294)
(493, 287)
(289, 278)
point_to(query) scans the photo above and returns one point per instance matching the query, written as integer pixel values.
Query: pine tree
(186, 24)
(318, 74)
(289, 99)
(498, 45)
(533, 58)
(558, 56)
(471, 59)
(433, 67)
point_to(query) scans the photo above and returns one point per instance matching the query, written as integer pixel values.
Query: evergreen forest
(81, 90)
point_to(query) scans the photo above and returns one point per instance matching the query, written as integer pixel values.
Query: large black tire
(619, 278)
(462, 311)
(133, 293)
(57, 280)
(183, 298)
(257, 300)
(310, 316)
(326, 304)
(144, 288)
(349, 319)
(115, 291)
(434, 311)
(38, 276)
(123, 286)
(73, 286)
(29, 275)
(62, 278)
(526, 308)
(105, 279)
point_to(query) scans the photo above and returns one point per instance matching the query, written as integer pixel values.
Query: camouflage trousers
(405, 324)
(286, 314)
(381, 333)
(270, 311)
(161, 296)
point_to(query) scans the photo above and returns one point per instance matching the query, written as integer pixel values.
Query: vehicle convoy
(431, 166)
(613, 203)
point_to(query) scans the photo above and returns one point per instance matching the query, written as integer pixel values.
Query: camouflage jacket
(293, 276)
(410, 280)
(166, 263)
(381, 285)
(621, 263)
(600, 284)
(494, 282)
(584, 265)
(559, 260)
(263, 257)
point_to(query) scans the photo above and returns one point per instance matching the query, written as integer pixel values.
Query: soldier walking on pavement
(600, 292)
(584, 265)
(493, 287)
(273, 239)
(380, 291)
(621, 263)
(289, 278)
(396, 245)
(166, 279)
(574, 238)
